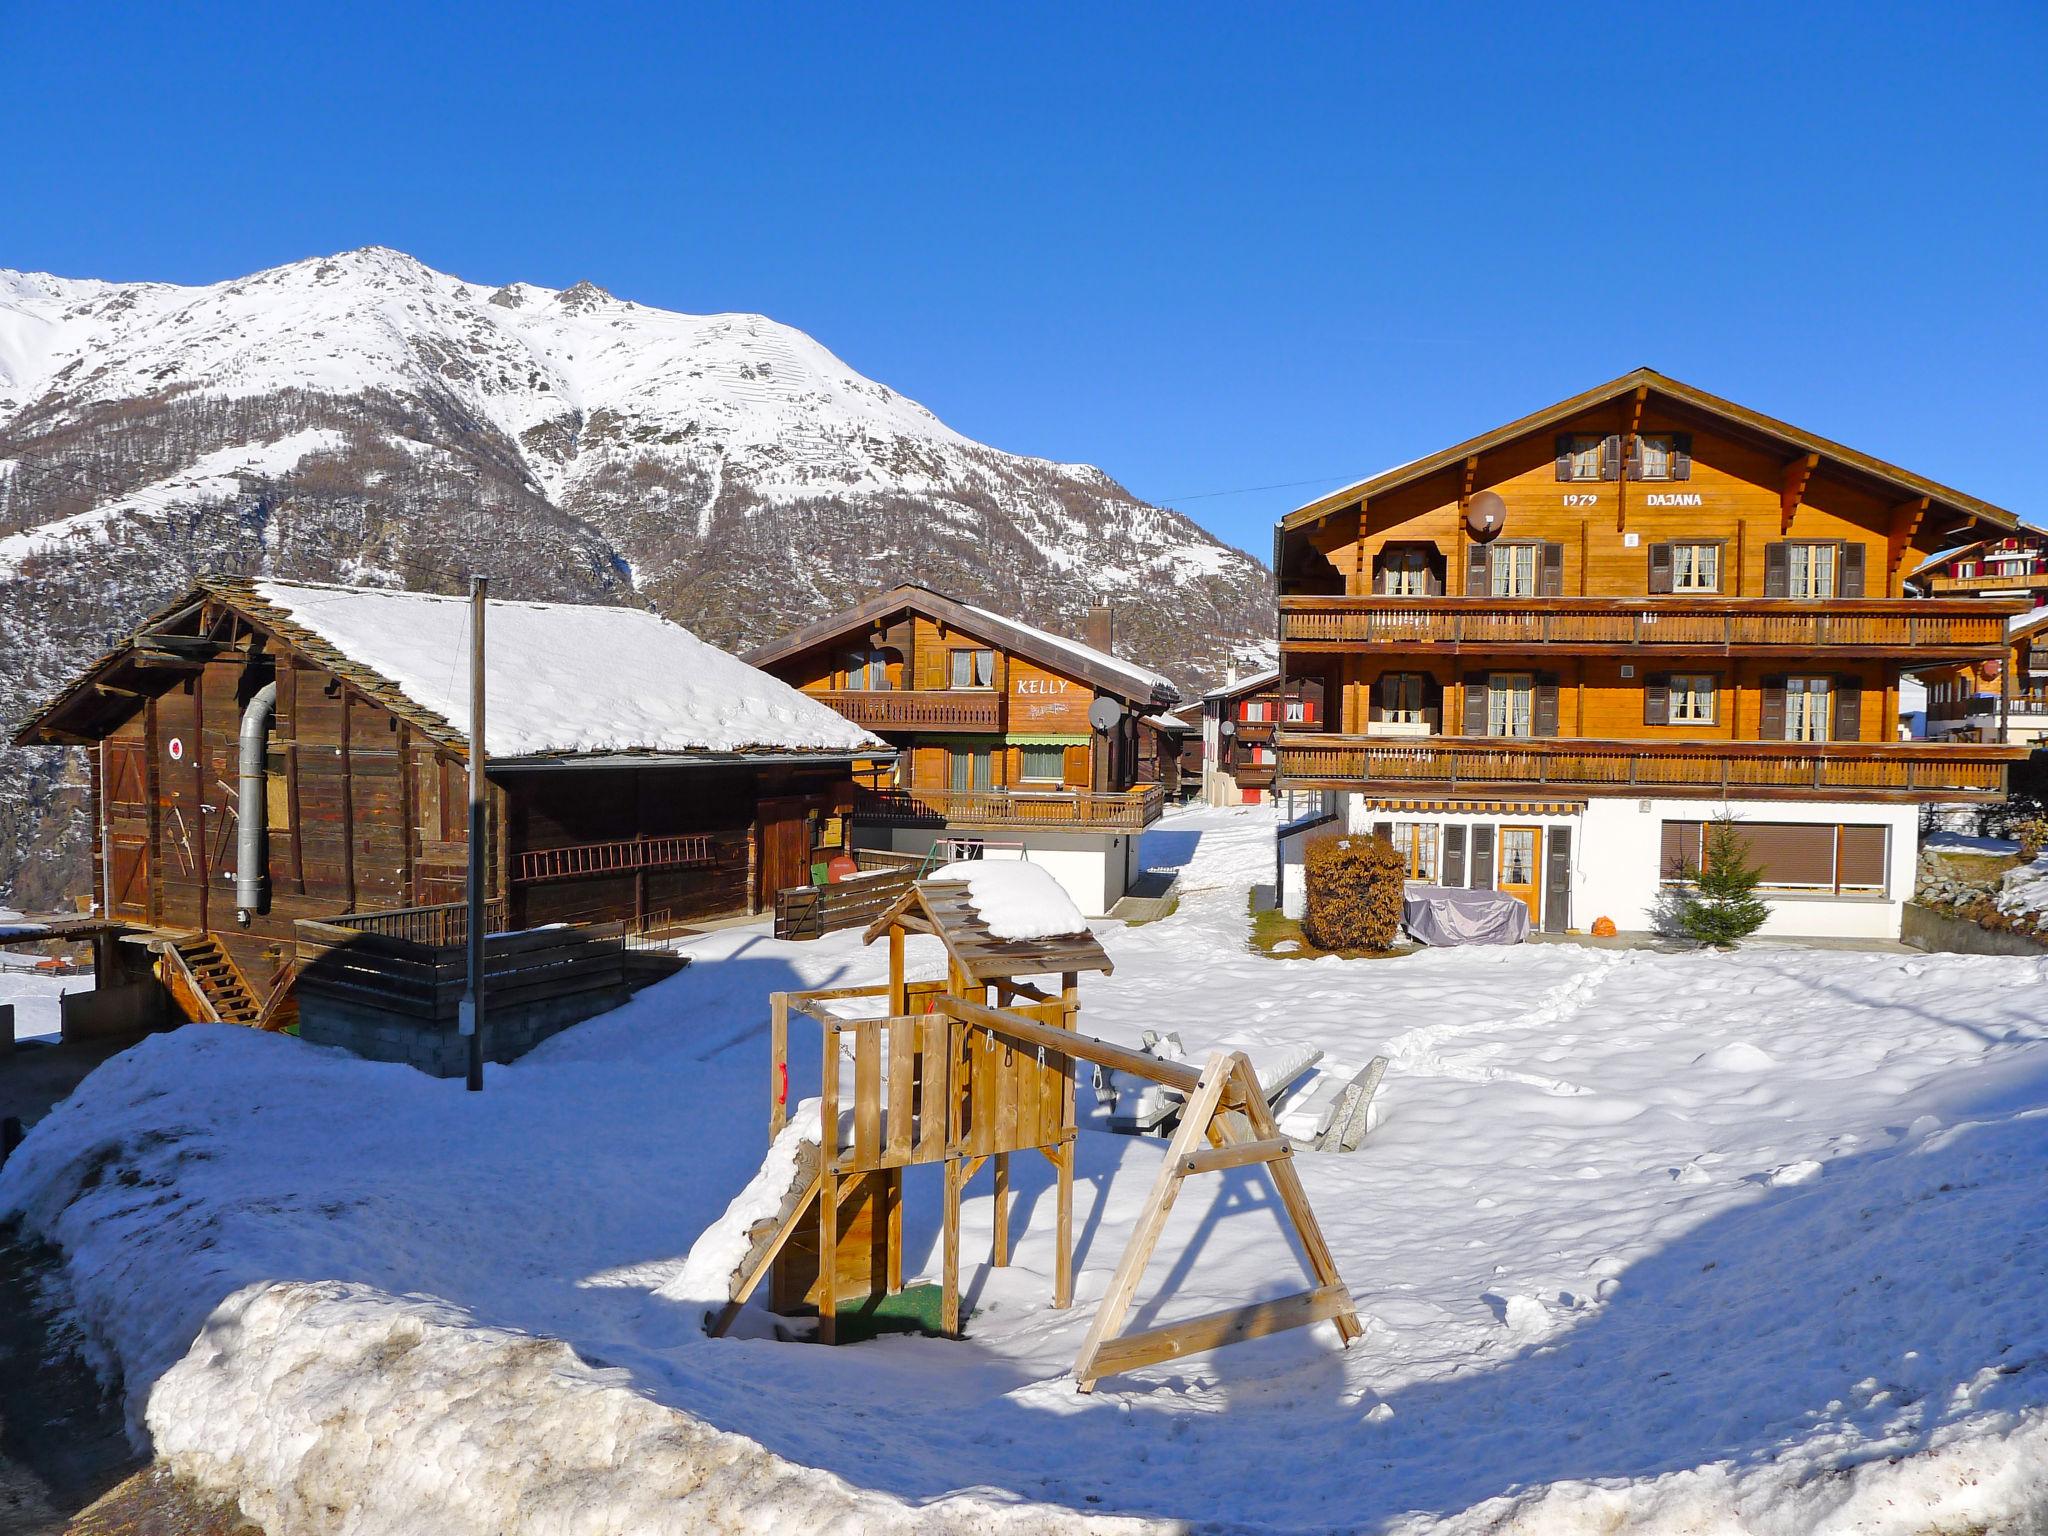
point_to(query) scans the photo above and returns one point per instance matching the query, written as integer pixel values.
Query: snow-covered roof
(1016, 900)
(1245, 684)
(566, 677)
(1142, 679)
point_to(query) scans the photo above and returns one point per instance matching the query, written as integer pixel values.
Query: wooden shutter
(1791, 852)
(1454, 856)
(1681, 849)
(1432, 704)
(1610, 459)
(1777, 569)
(1772, 725)
(1546, 704)
(1475, 569)
(1564, 455)
(1557, 880)
(1475, 703)
(1389, 696)
(1383, 830)
(1482, 857)
(1660, 568)
(1848, 696)
(1681, 455)
(1550, 583)
(1635, 457)
(1657, 699)
(1433, 565)
(1861, 866)
(1849, 571)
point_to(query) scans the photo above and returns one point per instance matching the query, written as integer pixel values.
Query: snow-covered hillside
(364, 418)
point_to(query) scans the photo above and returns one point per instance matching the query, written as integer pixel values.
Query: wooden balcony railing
(891, 709)
(2032, 701)
(1253, 775)
(2019, 577)
(1916, 770)
(436, 927)
(1050, 808)
(1929, 628)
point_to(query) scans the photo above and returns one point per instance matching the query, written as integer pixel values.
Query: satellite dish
(1486, 514)
(1103, 714)
(1228, 727)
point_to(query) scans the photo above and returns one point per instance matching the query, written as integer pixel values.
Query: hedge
(1353, 888)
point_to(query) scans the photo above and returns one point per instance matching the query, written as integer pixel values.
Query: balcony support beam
(1905, 527)
(1793, 493)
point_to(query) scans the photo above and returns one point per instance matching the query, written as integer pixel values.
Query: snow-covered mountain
(362, 417)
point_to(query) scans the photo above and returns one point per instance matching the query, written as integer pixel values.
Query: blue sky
(1208, 249)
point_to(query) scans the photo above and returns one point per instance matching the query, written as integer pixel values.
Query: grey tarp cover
(1441, 915)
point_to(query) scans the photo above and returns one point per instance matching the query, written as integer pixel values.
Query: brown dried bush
(1353, 889)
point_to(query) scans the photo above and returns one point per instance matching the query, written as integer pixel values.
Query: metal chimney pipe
(252, 813)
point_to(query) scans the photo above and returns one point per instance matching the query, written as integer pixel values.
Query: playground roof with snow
(998, 918)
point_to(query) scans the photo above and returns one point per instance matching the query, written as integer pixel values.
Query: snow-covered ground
(35, 998)
(1693, 1242)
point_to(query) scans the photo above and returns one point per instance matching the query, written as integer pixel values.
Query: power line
(1285, 485)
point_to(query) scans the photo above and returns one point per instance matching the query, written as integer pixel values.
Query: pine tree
(1723, 906)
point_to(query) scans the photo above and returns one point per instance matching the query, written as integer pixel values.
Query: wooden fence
(812, 911)
(436, 927)
(424, 981)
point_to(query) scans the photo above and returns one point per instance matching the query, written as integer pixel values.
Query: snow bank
(567, 677)
(2025, 890)
(1016, 898)
(1591, 1261)
(706, 1276)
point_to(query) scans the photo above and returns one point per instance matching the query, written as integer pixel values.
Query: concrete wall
(434, 1046)
(1940, 932)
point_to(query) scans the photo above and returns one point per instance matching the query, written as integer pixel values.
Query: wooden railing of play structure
(812, 911)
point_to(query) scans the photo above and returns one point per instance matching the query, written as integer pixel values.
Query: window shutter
(1551, 583)
(1434, 563)
(1482, 857)
(1557, 882)
(1454, 856)
(1681, 849)
(1772, 727)
(1383, 830)
(1388, 695)
(1475, 703)
(1657, 699)
(1791, 852)
(1681, 456)
(1475, 569)
(1777, 569)
(1546, 704)
(1564, 456)
(1660, 568)
(1851, 560)
(1610, 457)
(1635, 458)
(1861, 866)
(1848, 692)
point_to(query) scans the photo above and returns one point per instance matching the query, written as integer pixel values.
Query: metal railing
(434, 927)
(903, 709)
(1922, 625)
(1916, 770)
(1131, 811)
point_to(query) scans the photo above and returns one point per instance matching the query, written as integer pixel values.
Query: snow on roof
(1016, 899)
(1143, 680)
(1252, 680)
(567, 677)
(1166, 722)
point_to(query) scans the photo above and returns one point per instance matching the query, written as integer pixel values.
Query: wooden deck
(1915, 770)
(1078, 810)
(1917, 628)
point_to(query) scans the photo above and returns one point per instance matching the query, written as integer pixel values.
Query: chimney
(1099, 628)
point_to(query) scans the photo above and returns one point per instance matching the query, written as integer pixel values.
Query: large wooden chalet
(1006, 737)
(1553, 651)
(1991, 701)
(636, 776)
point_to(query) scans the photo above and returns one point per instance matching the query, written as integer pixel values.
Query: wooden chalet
(636, 777)
(1005, 736)
(2006, 700)
(1552, 650)
(1241, 722)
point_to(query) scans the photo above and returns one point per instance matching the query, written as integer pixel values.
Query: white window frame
(1665, 445)
(1511, 702)
(1407, 571)
(1695, 567)
(1403, 712)
(1694, 699)
(1811, 717)
(1587, 457)
(975, 668)
(1810, 571)
(1514, 570)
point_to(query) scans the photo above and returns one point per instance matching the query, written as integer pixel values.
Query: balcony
(2018, 579)
(906, 709)
(1906, 770)
(1984, 706)
(1253, 775)
(1925, 629)
(1050, 809)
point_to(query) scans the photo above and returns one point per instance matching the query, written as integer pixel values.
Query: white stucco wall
(1094, 869)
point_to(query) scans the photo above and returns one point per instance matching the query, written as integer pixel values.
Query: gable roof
(562, 679)
(1250, 683)
(1126, 680)
(1960, 551)
(1657, 385)
(946, 910)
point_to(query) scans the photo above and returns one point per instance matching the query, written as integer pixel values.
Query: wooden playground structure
(966, 1072)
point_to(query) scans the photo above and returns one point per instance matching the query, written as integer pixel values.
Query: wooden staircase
(206, 984)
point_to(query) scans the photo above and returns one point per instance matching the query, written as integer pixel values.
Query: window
(1512, 570)
(970, 767)
(277, 791)
(1692, 699)
(1653, 457)
(1043, 765)
(1401, 697)
(1511, 704)
(867, 671)
(1810, 570)
(973, 669)
(1404, 572)
(1585, 458)
(1790, 855)
(1695, 567)
(1417, 844)
(1806, 708)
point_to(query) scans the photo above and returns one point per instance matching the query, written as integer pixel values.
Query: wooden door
(1521, 867)
(785, 845)
(126, 807)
